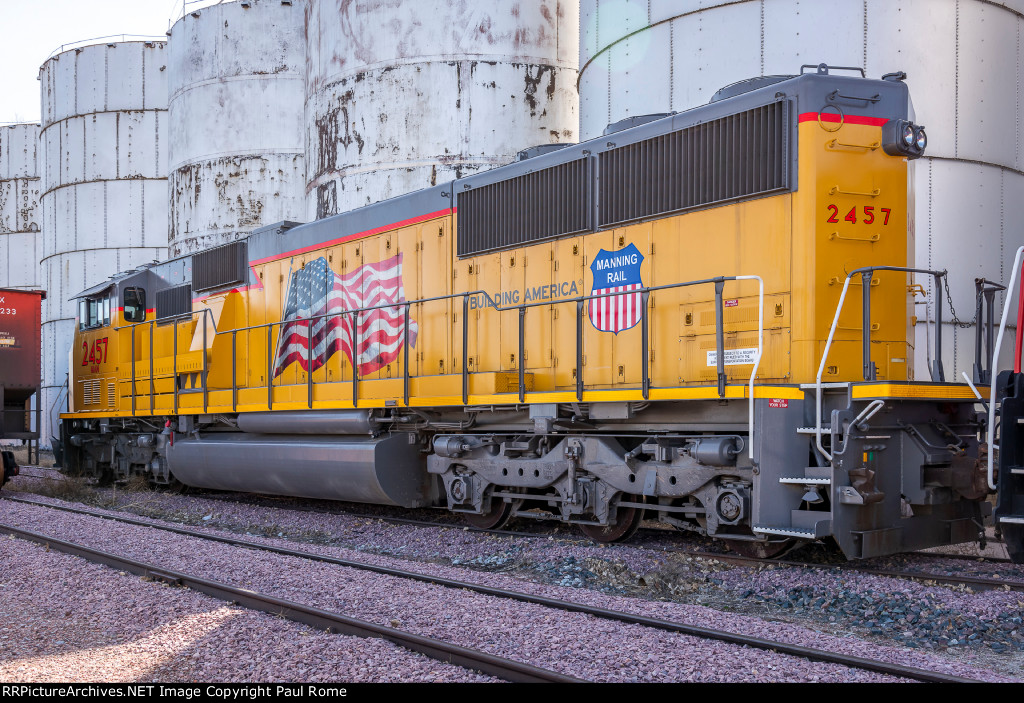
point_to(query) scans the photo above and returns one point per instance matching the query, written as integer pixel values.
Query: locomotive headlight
(908, 134)
(903, 138)
(920, 139)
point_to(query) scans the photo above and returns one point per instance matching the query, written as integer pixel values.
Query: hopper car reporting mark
(701, 319)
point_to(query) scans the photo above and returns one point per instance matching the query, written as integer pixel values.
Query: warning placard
(734, 357)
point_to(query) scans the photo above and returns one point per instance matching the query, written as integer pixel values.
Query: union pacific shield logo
(616, 272)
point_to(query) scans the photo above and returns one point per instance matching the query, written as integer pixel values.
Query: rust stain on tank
(532, 83)
(327, 140)
(250, 211)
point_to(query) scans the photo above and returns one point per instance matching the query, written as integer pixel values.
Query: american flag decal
(317, 290)
(616, 272)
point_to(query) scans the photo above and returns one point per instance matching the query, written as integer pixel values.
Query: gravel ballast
(575, 644)
(63, 619)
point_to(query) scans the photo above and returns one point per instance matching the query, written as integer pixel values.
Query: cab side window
(134, 304)
(93, 313)
(89, 312)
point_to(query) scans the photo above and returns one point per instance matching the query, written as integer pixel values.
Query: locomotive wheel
(760, 550)
(6, 459)
(626, 525)
(494, 519)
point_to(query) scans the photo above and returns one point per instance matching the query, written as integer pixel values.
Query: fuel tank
(309, 422)
(386, 470)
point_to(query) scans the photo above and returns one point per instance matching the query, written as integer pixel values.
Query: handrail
(171, 319)
(187, 7)
(465, 296)
(995, 361)
(869, 372)
(106, 39)
(757, 360)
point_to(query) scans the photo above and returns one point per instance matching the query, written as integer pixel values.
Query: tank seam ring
(975, 162)
(97, 112)
(539, 61)
(75, 251)
(191, 161)
(652, 26)
(232, 79)
(130, 179)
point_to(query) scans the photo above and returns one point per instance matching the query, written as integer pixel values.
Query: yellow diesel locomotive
(655, 322)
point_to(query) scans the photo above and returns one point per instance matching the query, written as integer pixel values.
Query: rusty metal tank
(405, 94)
(104, 182)
(19, 206)
(963, 61)
(236, 90)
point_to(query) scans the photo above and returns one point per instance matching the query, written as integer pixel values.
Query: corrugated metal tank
(19, 206)
(104, 182)
(236, 81)
(404, 94)
(963, 59)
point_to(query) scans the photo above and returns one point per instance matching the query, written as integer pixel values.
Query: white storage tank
(963, 59)
(236, 90)
(19, 206)
(104, 182)
(405, 94)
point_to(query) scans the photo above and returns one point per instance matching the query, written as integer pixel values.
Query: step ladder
(1009, 512)
(804, 524)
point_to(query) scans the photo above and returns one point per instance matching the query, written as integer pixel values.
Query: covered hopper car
(705, 318)
(20, 322)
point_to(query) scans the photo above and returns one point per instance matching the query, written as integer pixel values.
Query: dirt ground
(21, 454)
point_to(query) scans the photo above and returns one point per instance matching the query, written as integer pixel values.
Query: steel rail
(556, 523)
(737, 559)
(810, 653)
(439, 650)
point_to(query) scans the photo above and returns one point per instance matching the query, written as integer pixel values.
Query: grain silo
(236, 89)
(963, 60)
(104, 182)
(19, 206)
(404, 94)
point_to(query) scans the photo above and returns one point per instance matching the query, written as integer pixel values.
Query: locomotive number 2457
(95, 353)
(867, 215)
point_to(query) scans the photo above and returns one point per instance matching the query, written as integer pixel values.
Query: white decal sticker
(734, 357)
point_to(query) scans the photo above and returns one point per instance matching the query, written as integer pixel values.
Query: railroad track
(559, 530)
(810, 653)
(484, 662)
(40, 472)
(975, 582)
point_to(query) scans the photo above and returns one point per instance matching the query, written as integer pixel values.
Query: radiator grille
(220, 267)
(112, 393)
(733, 157)
(91, 392)
(173, 301)
(553, 202)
